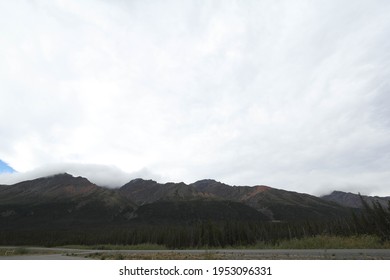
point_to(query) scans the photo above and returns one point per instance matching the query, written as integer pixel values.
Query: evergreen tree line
(375, 219)
(197, 235)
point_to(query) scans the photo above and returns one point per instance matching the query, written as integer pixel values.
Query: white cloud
(102, 175)
(288, 94)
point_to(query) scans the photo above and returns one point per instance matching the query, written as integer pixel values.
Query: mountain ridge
(63, 209)
(66, 200)
(203, 187)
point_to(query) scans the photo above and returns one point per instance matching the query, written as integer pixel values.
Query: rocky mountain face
(273, 203)
(64, 201)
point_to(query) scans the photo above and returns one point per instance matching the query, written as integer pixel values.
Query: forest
(373, 220)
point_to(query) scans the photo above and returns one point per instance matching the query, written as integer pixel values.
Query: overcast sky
(291, 94)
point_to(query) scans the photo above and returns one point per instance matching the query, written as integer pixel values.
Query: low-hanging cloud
(293, 95)
(102, 175)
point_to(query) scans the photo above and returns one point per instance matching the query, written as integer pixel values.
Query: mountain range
(65, 201)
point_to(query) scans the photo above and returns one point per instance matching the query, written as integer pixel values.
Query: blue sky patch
(5, 168)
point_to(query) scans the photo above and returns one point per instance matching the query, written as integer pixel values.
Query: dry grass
(17, 251)
(156, 256)
(329, 242)
(143, 246)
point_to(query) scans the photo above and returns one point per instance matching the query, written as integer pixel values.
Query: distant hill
(352, 200)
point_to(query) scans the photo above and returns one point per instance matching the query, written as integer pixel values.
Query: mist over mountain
(100, 174)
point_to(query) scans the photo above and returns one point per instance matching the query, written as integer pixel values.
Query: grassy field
(144, 246)
(316, 242)
(169, 255)
(13, 251)
(329, 242)
(206, 253)
(24, 251)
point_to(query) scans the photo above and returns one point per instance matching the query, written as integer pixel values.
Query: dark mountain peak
(56, 187)
(139, 190)
(62, 180)
(175, 185)
(262, 187)
(56, 180)
(340, 193)
(209, 184)
(205, 181)
(138, 182)
(336, 193)
(66, 177)
(61, 175)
